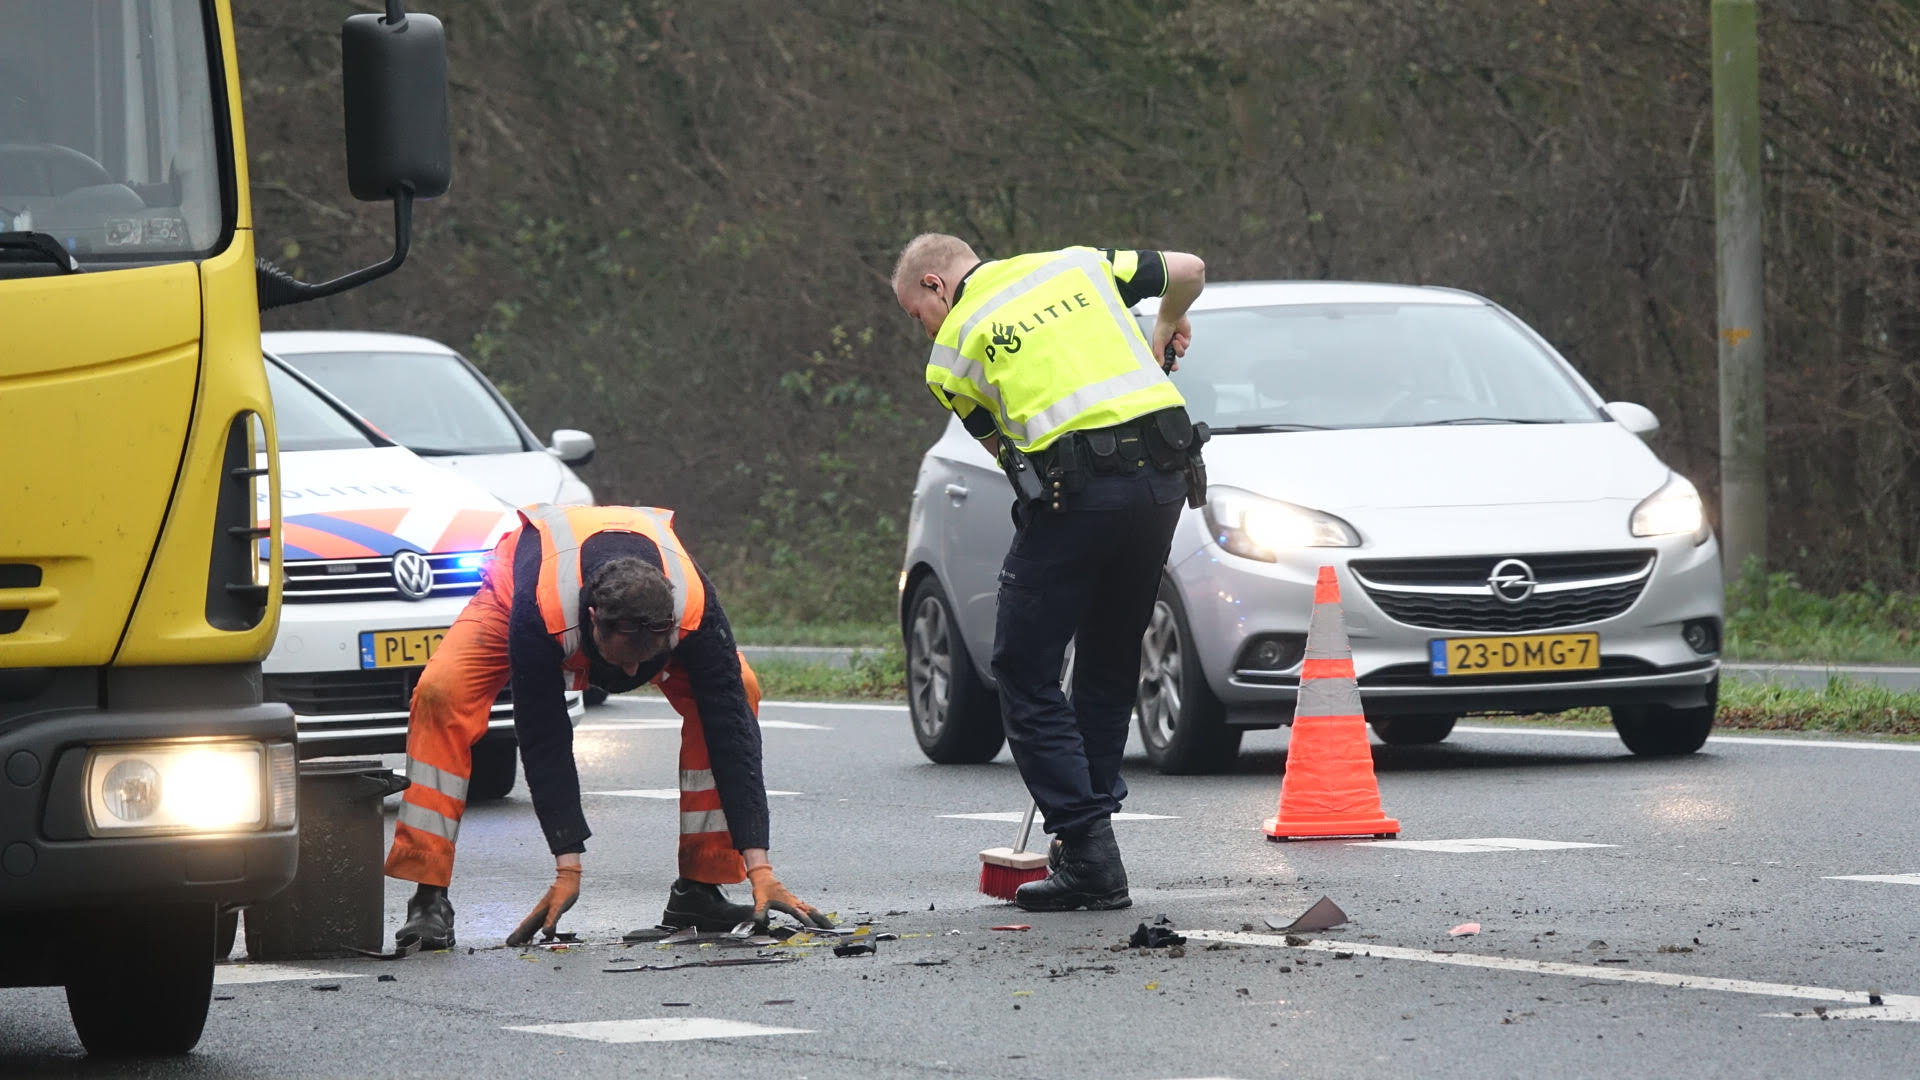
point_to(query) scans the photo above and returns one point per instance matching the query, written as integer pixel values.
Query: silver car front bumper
(1231, 602)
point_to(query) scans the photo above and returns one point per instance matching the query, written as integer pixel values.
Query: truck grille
(1453, 594)
(333, 693)
(322, 580)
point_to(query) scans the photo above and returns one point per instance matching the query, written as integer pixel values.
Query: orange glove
(558, 901)
(769, 893)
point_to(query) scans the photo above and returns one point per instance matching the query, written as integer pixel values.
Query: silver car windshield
(427, 402)
(107, 134)
(303, 420)
(1311, 366)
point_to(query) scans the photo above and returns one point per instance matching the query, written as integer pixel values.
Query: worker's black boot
(1088, 875)
(1053, 853)
(703, 907)
(429, 919)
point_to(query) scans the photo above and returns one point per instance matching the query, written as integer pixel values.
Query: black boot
(703, 907)
(429, 919)
(1053, 853)
(1087, 875)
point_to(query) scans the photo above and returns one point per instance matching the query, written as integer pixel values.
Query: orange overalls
(456, 692)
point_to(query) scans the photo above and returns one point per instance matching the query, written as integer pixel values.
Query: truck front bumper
(51, 860)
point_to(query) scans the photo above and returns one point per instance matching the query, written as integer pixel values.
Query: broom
(1004, 870)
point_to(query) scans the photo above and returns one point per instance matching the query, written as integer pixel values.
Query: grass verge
(876, 675)
(845, 632)
(1770, 617)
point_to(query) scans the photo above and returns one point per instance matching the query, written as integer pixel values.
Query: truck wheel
(1183, 726)
(496, 764)
(956, 718)
(1665, 731)
(1413, 730)
(145, 990)
(224, 932)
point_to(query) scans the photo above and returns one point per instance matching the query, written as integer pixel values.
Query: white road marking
(1485, 843)
(1016, 815)
(662, 1029)
(1738, 740)
(1909, 1013)
(1904, 1004)
(237, 974)
(661, 793)
(1889, 879)
(853, 706)
(674, 721)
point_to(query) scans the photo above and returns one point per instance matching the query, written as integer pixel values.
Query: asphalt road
(1711, 910)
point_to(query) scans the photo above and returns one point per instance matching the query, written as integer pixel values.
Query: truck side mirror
(395, 81)
(399, 141)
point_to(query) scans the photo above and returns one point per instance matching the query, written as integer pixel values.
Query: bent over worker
(603, 596)
(1042, 361)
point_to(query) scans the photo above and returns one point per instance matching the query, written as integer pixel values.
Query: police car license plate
(399, 648)
(1506, 655)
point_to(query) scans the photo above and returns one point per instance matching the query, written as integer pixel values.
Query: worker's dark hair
(631, 591)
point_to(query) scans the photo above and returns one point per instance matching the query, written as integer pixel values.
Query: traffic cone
(1329, 789)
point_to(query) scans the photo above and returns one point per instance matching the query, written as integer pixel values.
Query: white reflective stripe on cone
(696, 779)
(702, 821)
(415, 816)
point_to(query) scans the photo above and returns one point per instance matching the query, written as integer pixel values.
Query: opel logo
(1511, 580)
(413, 575)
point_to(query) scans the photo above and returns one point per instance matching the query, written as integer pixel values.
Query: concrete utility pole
(1736, 199)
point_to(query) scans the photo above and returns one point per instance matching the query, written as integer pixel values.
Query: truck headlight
(1256, 527)
(178, 787)
(1675, 508)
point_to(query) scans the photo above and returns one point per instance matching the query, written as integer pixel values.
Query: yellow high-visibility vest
(1045, 344)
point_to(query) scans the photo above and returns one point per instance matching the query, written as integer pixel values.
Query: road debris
(1013, 926)
(1158, 935)
(717, 961)
(1465, 929)
(1323, 915)
(855, 948)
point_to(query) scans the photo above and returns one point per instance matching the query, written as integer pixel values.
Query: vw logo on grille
(1511, 580)
(413, 575)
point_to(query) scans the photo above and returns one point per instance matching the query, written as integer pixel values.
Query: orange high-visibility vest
(563, 529)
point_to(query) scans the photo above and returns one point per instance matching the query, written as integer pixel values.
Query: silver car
(1504, 539)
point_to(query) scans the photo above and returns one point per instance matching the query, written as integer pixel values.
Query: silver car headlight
(1255, 527)
(189, 787)
(1675, 508)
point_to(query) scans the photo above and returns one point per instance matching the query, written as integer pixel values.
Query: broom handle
(1026, 826)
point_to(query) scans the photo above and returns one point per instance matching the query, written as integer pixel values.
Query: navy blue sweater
(712, 664)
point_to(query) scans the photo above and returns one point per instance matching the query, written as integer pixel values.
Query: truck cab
(145, 787)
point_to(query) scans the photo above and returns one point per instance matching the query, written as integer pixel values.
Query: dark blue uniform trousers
(1091, 570)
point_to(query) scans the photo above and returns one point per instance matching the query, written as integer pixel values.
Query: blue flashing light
(471, 562)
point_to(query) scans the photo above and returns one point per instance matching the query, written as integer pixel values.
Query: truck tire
(144, 989)
(956, 717)
(496, 765)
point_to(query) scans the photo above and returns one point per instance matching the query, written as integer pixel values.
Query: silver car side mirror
(1635, 418)
(572, 447)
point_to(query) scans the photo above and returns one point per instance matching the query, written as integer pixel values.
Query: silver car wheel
(930, 667)
(1159, 697)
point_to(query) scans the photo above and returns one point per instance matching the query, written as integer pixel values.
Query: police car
(381, 551)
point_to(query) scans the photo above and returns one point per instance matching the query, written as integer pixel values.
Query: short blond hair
(929, 253)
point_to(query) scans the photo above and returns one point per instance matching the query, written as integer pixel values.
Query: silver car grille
(320, 580)
(1453, 594)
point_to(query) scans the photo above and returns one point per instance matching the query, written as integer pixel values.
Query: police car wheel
(956, 718)
(1182, 724)
(496, 765)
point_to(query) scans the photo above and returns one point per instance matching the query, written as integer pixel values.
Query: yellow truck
(146, 791)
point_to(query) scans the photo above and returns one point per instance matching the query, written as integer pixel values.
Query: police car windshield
(1310, 366)
(306, 421)
(429, 403)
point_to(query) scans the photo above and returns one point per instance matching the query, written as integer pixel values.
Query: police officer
(1042, 361)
